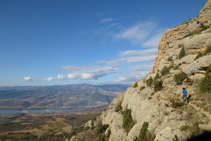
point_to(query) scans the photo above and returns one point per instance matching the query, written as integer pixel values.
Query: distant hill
(59, 96)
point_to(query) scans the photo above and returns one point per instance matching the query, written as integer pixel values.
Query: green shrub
(152, 93)
(183, 128)
(86, 128)
(142, 87)
(118, 107)
(109, 133)
(180, 77)
(156, 77)
(205, 83)
(198, 56)
(176, 67)
(100, 127)
(180, 45)
(182, 53)
(176, 104)
(207, 51)
(128, 122)
(170, 58)
(205, 27)
(195, 128)
(165, 70)
(149, 81)
(158, 84)
(143, 132)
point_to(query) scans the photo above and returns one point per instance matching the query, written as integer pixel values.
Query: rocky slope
(153, 107)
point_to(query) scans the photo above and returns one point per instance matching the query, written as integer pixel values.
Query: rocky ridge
(167, 116)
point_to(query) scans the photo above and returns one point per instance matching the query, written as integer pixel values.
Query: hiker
(185, 95)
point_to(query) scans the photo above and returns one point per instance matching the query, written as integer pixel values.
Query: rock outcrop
(167, 116)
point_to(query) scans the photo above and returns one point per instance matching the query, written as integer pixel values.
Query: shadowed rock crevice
(204, 136)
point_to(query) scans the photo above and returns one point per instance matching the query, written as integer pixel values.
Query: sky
(59, 42)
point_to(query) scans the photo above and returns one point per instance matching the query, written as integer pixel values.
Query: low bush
(182, 53)
(176, 104)
(205, 83)
(128, 122)
(180, 77)
(195, 128)
(165, 70)
(180, 45)
(99, 127)
(183, 128)
(176, 67)
(206, 52)
(142, 87)
(118, 107)
(143, 132)
(156, 77)
(149, 81)
(86, 128)
(198, 56)
(170, 58)
(158, 84)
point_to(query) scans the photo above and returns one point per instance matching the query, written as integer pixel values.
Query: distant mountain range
(75, 96)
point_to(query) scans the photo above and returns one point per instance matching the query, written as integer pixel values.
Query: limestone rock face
(158, 109)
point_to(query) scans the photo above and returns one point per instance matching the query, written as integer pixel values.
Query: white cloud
(129, 77)
(138, 72)
(154, 41)
(27, 78)
(89, 72)
(106, 20)
(50, 79)
(138, 52)
(133, 56)
(61, 77)
(137, 33)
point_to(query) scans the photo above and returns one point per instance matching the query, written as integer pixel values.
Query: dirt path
(201, 110)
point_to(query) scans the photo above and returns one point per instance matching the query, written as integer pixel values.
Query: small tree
(127, 120)
(205, 84)
(165, 70)
(182, 53)
(156, 77)
(118, 107)
(143, 132)
(149, 81)
(180, 77)
(158, 84)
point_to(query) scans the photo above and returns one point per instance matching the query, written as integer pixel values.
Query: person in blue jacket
(185, 95)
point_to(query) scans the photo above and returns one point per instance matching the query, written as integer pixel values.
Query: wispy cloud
(137, 33)
(61, 77)
(133, 56)
(89, 72)
(27, 78)
(106, 20)
(137, 73)
(49, 79)
(153, 41)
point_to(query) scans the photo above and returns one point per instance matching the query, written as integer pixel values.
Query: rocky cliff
(152, 108)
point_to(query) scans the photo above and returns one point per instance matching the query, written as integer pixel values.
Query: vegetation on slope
(128, 122)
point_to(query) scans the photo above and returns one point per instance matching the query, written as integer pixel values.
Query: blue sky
(56, 42)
